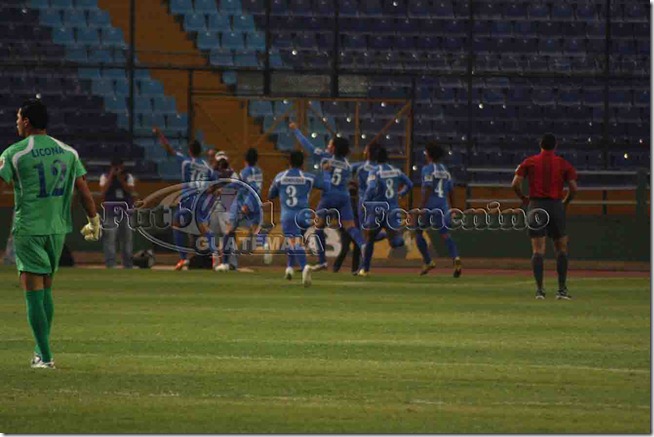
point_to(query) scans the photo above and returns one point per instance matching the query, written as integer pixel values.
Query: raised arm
(164, 141)
(306, 144)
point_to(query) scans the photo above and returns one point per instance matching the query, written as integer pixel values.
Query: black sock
(562, 269)
(537, 266)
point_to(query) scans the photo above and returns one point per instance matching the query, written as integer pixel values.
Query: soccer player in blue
(437, 195)
(246, 208)
(196, 173)
(381, 206)
(336, 196)
(293, 187)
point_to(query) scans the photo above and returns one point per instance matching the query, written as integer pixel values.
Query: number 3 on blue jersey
(291, 192)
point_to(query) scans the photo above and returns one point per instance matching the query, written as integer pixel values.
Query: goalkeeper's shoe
(540, 294)
(427, 267)
(181, 264)
(457, 267)
(92, 231)
(42, 365)
(363, 273)
(563, 294)
(288, 274)
(306, 276)
(35, 360)
(319, 267)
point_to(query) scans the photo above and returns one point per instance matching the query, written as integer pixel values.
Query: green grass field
(194, 352)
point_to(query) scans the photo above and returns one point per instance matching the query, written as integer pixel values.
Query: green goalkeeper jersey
(43, 171)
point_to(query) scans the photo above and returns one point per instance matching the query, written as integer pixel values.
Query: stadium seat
(244, 58)
(348, 8)
(143, 105)
(221, 57)
(50, 18)
(232, 40)
(39, 4)
(88, 36)
(63, 35)
(207, 40)
(538, 11)
(179, 7)
(61, 4)
(115, 104)
(205, 6)
(100, 56)
(74, 17)
(295, 7)
(76, 54)
(151, 88)
(164, 104)
(113, 37)
(260, 108)
(243, 23)
(194, 22)
(86, 4)
(99, 18)
(230, 7)
(218, 23)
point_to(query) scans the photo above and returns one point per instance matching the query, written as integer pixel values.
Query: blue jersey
(194, 170)
(338, 170)
(363, 170)
(293, 187)
(383, 185)
(436, 185)
(253, 176)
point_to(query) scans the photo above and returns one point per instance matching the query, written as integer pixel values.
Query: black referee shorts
(546, 218)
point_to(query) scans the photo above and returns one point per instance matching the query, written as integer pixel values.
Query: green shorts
(38, 253)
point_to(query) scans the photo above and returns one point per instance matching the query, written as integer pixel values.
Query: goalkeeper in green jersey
(44, 172)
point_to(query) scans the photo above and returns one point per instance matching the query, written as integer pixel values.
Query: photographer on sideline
(117, 186)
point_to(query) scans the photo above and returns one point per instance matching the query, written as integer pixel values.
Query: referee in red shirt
(547, 173)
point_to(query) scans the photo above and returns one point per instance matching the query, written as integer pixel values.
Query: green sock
(38, 322)
(48, 306)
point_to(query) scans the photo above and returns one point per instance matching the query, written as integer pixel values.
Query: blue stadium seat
(348, 8)
(636, 12)
(63, 35)
(221, 57)
(74, 18)
(525, 29)
(256, 7)
(587, 11)
(89, 73)
(642, 98)
(113, 37)
(232, 40)
(102, 87)
(177, 121)
(260, 108)
(99, 18)
(115, 104)
(114, 73)
(207, 41)
(593, 97)
(569, 97)
(61, 4)
(180, 7)
(230, 7)
(87, 35)
(194, 22)
(243, 23)
(515, 11)
(164, 104)
(143, 105)
(151, 88)
(442, 9)
(86, 4)
(619, 98)
(121, 87)
(244, 58)
(50, 18)
(39, 4)
(549, 46)
(218, 23)
(100, 56)
(205, 6)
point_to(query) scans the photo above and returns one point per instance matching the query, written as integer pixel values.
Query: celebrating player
(381, 198)
(293, 188)
(547, 174)
(246, 208)
(334, 162)
(44, 172)
(196, 172)
(438, 198)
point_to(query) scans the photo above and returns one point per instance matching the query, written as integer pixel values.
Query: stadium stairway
(224, 122)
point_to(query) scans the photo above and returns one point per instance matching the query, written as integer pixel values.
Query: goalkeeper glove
(92, 230)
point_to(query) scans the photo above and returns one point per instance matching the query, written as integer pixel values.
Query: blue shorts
(387, 217)
(236, 217)
(340, 202)
(295, 223)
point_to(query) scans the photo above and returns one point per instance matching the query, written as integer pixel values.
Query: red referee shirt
(547, 172)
